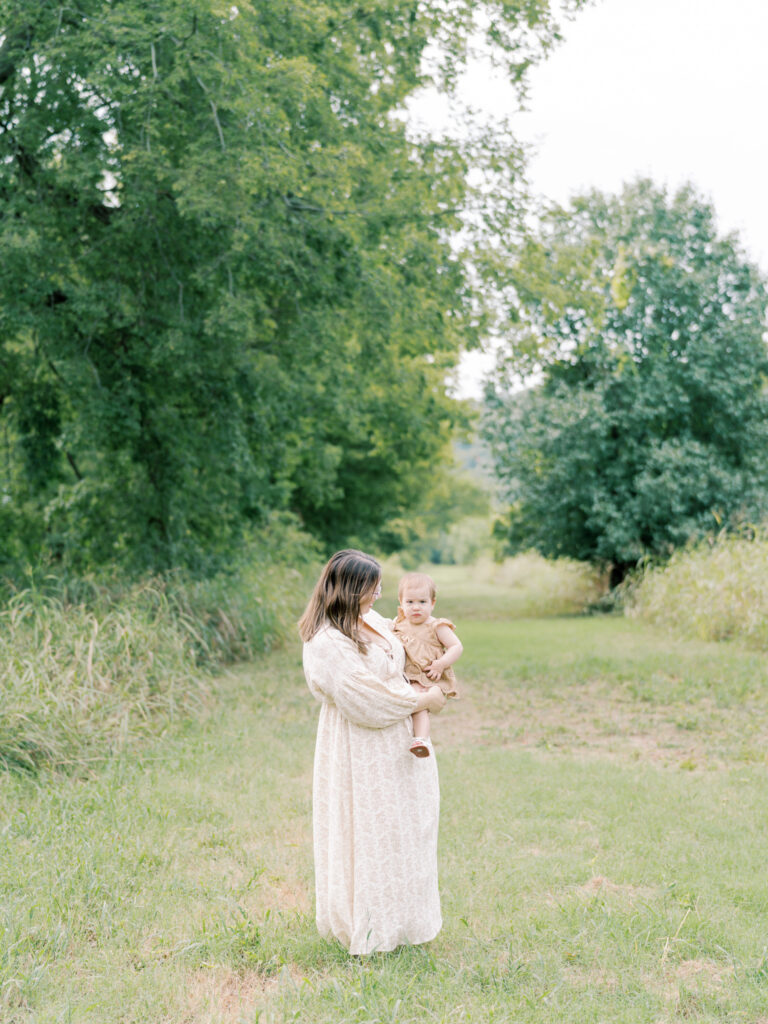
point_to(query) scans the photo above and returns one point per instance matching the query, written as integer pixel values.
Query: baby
(431, 647)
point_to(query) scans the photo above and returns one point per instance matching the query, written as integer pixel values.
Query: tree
(228, 283)
(647, 424)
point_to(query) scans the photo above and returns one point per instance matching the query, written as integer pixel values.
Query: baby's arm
(453, 650)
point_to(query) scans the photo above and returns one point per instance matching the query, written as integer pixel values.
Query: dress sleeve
(337, 673)
(444, 622)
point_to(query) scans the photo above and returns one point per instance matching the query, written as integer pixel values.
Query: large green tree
(647, 424)
(228, 283)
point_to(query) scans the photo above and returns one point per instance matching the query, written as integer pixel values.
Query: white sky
(675, 90)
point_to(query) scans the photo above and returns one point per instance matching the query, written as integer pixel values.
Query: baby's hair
(418, 579)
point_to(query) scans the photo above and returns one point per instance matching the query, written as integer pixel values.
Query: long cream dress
(375, 805)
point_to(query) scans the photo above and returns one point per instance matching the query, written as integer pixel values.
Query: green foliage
(227, 283)
(460, 543)
(451, 525)
(252, 606)
(648, 426)
(715, 590)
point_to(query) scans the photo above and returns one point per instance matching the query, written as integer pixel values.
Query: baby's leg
(421, 724)
(421, 727)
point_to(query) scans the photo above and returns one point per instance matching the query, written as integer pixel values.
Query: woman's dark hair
(344, 582)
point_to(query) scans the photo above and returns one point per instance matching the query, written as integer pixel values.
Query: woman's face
(366, 602)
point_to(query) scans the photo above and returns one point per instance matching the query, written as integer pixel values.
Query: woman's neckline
(379, 634)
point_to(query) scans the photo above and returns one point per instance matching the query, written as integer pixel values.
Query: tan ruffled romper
(422, 647)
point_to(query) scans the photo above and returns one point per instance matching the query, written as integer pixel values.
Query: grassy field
(603, 849)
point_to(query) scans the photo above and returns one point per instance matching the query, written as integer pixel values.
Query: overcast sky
(675, 90)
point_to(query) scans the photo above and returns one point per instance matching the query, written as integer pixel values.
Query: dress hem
(387, 948)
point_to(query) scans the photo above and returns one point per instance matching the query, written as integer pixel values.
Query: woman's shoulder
(328, 637)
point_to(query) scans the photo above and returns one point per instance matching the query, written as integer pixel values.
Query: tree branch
(215, 112)
(73, 464)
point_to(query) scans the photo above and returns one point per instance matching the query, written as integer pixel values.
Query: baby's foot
(419, 747)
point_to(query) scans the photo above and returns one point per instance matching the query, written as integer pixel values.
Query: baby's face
(416, 602)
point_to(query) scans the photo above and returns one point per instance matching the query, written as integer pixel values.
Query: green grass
(602, 851)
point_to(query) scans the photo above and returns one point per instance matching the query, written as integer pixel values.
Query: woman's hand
(434, 700)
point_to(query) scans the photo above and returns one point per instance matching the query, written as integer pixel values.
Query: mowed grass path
(603, 856)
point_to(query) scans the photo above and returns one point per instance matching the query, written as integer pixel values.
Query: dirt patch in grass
(705, 972)
(221, 995)
(599, 884)
(688, 980)
(603, 889)
(290, 897)
(675, 985)
(594, 978)
(596, 722)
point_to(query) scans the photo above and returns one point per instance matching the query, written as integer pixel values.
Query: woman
(375, 806)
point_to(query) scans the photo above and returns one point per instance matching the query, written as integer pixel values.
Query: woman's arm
(338, 674)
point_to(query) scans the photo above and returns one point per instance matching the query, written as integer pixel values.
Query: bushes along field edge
(714, 590)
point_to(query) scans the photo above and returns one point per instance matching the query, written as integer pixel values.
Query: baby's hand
(435, 670)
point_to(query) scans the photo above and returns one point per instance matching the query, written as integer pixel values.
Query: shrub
(253, 607)
(716, 590)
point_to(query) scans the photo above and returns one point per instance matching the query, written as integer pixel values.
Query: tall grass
(711, 591)
(86, 666)
(77, 682)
